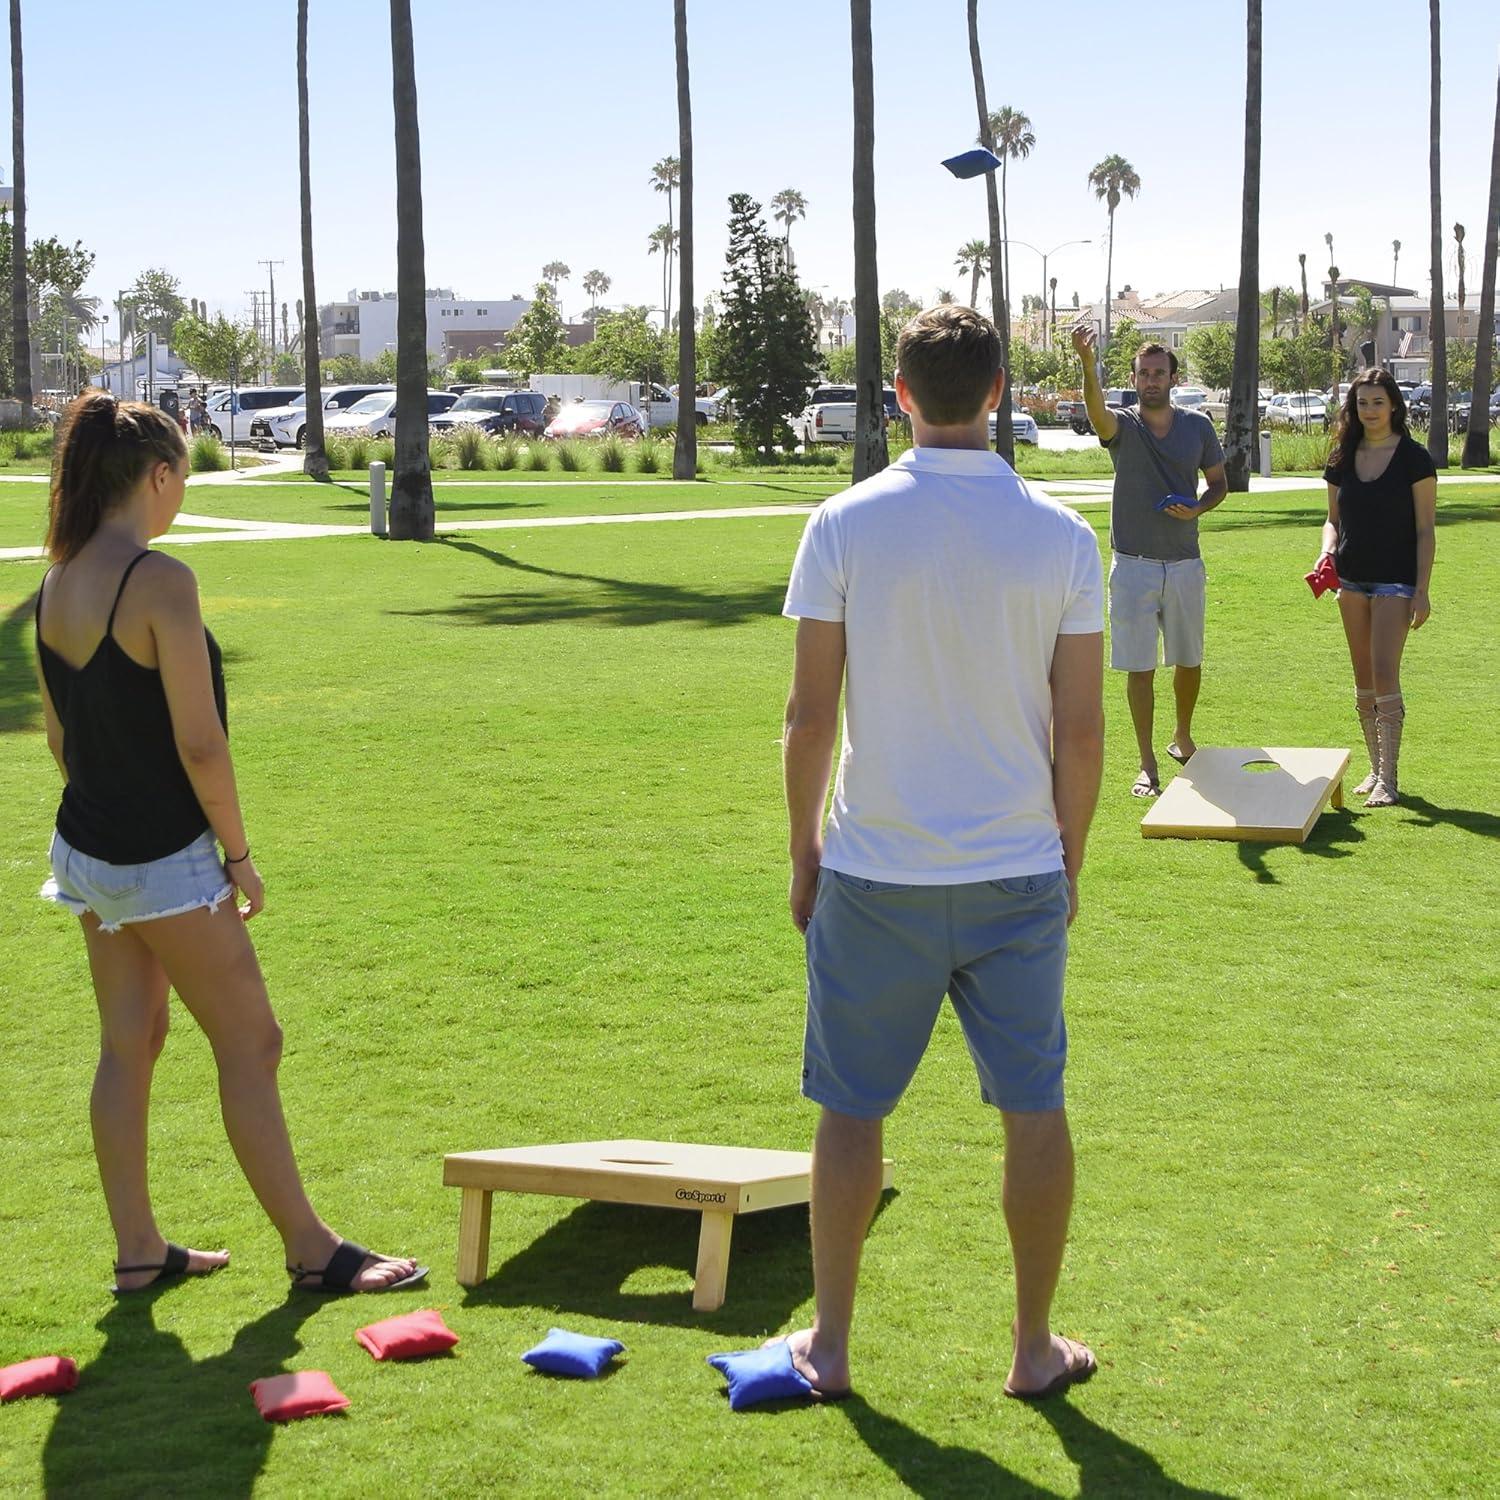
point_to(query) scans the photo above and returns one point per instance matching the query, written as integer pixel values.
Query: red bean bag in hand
(51, 1375)
(409, 1336)
(1323, 577)
(303, 1393)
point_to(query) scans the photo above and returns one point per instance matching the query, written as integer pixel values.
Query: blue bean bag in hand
(575, 1354)
(757, 1375)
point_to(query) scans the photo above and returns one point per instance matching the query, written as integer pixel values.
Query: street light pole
(1044, 255)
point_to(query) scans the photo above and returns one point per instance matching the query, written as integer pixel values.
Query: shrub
(647, 456)
(507, 453)
(570, 456)
(471, 448)
(383, 451)
(440, 454)
(207, 455)
(612, 455)
(538, 456)
(357, 451)
(336, 450)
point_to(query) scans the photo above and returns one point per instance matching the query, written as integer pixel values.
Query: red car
(600, 419)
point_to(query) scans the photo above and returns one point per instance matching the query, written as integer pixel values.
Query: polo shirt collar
(977, 461)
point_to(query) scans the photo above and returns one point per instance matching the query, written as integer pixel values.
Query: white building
(364, 324)
(128, 379)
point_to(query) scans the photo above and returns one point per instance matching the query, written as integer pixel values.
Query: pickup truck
(828, 416)
(659, 406)
(1116, 395)
(1216, 408)
(1074, 413)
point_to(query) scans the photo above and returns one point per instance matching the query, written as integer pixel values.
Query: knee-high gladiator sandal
(1364, 706)
(1390, 715)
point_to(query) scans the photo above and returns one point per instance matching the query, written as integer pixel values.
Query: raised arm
(1085, 346)
(812, 722)
(202, 746)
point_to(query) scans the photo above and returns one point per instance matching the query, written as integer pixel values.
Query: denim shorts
(1379, 590)
(121, 894)
(1150, 598)
(880, 958)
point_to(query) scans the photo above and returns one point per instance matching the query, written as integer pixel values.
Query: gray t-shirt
(1144, 465)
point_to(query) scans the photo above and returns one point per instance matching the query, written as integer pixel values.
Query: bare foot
(157, 1266)
(1064, 1362)
(827, 1371)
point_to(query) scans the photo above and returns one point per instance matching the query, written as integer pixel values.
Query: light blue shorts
(880, 958)
(1148, 599)
(121, 894)
(1378, 590)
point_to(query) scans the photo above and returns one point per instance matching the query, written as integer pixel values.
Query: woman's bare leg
(1355, 611)
(131, 990)
(212, 965)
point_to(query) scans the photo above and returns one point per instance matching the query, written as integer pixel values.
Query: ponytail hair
(104, 448)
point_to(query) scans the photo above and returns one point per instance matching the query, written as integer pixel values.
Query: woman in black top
(134, 699)
(1382, 508)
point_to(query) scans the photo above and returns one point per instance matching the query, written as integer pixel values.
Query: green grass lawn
(516, 798)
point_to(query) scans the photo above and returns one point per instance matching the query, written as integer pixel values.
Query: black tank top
(128, 798)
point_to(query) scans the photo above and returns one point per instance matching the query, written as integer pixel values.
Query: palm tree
(411, 491)
(1395, 259)
(789, 205)
(837, 309)
(945, 298)
(1109, 179)
(870, 455)
(596, 284)
(664, 238)
(1302, 265)
(685, 454)
(1240, 420)
(1477, 438)
(314, 459)
(973, 257)
(20, 310)
(1437, 428)
(1005, 440)
(665, 177)
(1010, 131)
(554, 272)
(817, 310)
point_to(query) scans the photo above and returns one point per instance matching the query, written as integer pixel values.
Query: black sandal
(343, 1266)
(175, 1265)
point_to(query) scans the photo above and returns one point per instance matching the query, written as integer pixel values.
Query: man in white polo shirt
(962, 617)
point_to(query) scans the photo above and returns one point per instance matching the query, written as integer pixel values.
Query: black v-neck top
(1378, 518)
(128, 799)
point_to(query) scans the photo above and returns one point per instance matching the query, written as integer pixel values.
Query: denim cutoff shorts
(121, 894)
(881, 956)
(1378, 590)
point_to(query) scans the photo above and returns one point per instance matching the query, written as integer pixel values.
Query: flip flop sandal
(343, 1266)
(1073, 1374)
(1144, 786)
(169, 1269)
(1175, 751)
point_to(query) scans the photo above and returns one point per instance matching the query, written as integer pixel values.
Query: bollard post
(1265, 455)
(377, 499)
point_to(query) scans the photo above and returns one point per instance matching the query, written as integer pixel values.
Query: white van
(231, 413)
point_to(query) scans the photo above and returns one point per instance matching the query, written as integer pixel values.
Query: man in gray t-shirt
(1156, 578)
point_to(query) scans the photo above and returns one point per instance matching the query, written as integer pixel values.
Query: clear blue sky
(166, 134)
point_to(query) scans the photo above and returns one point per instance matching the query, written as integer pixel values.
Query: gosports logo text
(692, 1195)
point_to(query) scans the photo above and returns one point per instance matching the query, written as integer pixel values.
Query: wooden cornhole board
(717, 1182)
(1214, 796)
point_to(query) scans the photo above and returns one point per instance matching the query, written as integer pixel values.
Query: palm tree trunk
(974, 286)
(1240, 421)
(20, 312)
(412, 518)
(870, 455)
(1006, 283)
(1437, 319)
(1005, 437)
(1109, 279)
(1477, 439)
(314, 459)
(685, 454)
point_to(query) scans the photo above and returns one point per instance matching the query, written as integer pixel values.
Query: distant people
(150, 846)
(962, 619)
(197, 413)
(1381, 534)
(550, 409)
(1157, 584)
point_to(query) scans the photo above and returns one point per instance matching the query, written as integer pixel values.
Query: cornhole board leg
(473, 1236)
(712, 1273)
(1336, 796)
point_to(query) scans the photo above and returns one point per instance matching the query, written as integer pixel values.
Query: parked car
(829, 415)
(659, 407)
(1296, 409)
(286, 425)
(1216, 408)
(495, 412)
(1189, 397)
(1023, 427)
(375, 415)
(1117, 396)
(589, 419)
(230, 413)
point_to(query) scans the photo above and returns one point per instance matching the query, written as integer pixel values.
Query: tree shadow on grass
(582, 1263)
(1332, 837)
(442, 508)
(597, 599)
(1107, 1464)
(20, 702)
(147, 1418)
(1429, 815)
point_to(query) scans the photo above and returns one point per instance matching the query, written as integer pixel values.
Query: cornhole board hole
(716, 1182)
(1264, 794)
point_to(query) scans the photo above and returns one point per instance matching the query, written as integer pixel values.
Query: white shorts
(1151, 600)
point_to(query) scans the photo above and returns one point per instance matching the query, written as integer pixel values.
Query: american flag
(1405, 346)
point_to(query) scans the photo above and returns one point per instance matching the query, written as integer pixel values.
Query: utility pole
(270, 266)
(254, 295)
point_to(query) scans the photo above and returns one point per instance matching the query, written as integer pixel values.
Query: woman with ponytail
(150, 847)
(1382, 510)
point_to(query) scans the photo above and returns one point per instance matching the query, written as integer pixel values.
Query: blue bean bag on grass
(573, 1354)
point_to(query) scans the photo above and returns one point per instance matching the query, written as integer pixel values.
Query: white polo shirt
(953, 582)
